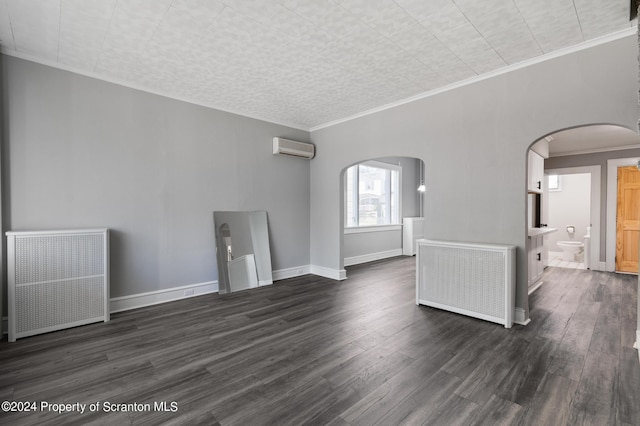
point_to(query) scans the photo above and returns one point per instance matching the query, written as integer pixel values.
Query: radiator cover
(477, 280)
(56, 280)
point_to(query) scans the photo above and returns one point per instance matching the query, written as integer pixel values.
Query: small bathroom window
(554, 183)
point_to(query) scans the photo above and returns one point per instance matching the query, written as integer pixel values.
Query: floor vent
(477, 280)
(56, 280)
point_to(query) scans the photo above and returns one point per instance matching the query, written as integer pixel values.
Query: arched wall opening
(596, 149)
(371, 216)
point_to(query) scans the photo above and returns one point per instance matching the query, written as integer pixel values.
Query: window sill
(377, 228)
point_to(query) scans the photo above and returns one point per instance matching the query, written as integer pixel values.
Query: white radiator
(56, 280)
(477, 280)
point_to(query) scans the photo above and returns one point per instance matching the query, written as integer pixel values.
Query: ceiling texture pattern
(298, 62)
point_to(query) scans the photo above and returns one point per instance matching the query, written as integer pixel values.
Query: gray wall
(79, 152)
(363, 243)
(595, 159)
(474, 141)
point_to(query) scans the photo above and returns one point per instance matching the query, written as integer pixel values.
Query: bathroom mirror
(242, 250)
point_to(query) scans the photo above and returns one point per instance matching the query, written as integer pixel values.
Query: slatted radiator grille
(471, 279)
(47, 304)
(57, 279)
(43, 258)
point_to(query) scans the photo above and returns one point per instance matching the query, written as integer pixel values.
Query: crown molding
(627, 32)
(142, 88)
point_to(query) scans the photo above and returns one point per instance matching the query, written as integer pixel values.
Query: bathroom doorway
(569, 198)
(573, 200)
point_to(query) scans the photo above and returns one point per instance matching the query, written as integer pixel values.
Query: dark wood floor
(358, 352)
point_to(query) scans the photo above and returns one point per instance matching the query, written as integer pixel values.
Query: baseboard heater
(477, 280)
(56, 280)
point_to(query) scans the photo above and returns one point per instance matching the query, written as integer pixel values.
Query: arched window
(372, 194)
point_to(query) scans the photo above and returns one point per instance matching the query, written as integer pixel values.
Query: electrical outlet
(188, 292)
(300, 271)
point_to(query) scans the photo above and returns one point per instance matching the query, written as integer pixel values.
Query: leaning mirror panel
(242, 250)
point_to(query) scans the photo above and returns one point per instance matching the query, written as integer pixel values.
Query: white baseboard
(356, 260)
(133, 301)
(534, 288)
(520, 317)
(637, 344)
(334, 274)
(264, 282)
(297, 271)
(283, 274)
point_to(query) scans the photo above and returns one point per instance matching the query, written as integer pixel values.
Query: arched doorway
(594, 149)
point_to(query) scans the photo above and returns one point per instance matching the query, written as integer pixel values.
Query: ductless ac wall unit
(293, 148)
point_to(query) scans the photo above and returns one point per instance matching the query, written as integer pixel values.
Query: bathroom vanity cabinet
(536, 264)
(536, 256)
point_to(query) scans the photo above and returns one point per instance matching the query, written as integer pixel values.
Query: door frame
(595, 207)
(612, 203)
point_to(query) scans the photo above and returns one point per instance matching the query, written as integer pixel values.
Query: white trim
(140, 300)
(603, 266)
(262, 283)
(542, 58)
(56, 232)
(334, 274)
(364, 258)
(130, 85)
(595, 150)
(520, 317)
(297, 271)
(377, 228)
(637, 343)
(595, 205)
(534, 287)
(612, 203)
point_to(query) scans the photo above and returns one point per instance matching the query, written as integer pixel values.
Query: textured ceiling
(298, 62)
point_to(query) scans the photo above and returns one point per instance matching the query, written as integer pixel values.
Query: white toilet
(570, 249)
